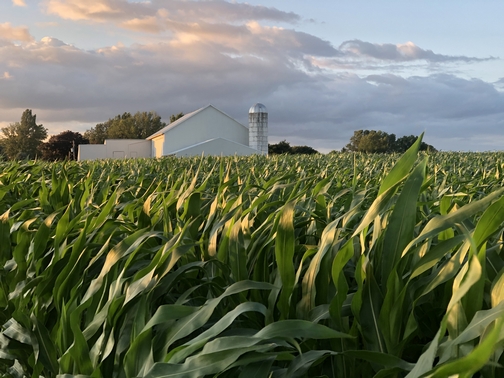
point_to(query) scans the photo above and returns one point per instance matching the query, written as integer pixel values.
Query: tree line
(284, 147)
(25, 139)
(376, 141)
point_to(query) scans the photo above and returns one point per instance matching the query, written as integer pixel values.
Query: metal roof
(258, 108)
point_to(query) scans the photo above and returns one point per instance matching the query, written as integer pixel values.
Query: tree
(59, 147)
(373, 141)
(303, 150)
(97, 134)
(405, 142)
(174, 117)
(126, 126)
(21, 139)
(284, 147)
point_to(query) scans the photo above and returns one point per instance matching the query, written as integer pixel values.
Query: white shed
(207, 131)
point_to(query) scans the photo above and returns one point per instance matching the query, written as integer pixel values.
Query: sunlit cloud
(12, 33)
(146, 24)
(99, 10)
(19, 3)
(180, 10)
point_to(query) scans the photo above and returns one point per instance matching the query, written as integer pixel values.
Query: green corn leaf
(259, 369)
(190, 323)
(309, 286)
(497, 293)
(46, 351)
(195, 343)
(402, 167)
(284, 255)
(205, 364)
(402, 222)
(237, 253)
(489, 223)
(474, 361)
(387, 361)
(342, 257)
(299, 329)
(443, 222)
(300, 365)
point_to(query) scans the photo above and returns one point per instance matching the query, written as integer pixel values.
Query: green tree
(405, 142)
(279, 148)
(284, 147)
(303, 150)
(22, 139)
(126, 126)
(59, 147)
(174, 117)
(371, 141)
(97, 134)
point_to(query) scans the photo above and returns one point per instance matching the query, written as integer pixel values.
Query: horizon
(323, 72)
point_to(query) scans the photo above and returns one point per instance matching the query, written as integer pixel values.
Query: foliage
(21, 139)
(372, 141)
(348, 265)
(405, 142)
(126, 126)
(174, 117)
(59, 147)
(284, 147)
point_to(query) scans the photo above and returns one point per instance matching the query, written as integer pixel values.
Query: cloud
(230, 54)
(72, 88)
(19, 3)
(99, 10)
(405, 52)
(175, 10)
(12, 33)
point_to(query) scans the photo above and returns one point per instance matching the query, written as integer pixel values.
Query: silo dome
(258, 108)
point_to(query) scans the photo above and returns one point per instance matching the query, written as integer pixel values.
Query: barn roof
(181, 120)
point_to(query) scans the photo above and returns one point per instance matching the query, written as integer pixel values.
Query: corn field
(344, 265)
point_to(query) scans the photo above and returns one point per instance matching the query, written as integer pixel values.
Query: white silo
(258, 128)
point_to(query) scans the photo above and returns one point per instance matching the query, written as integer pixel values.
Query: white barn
(207, 131)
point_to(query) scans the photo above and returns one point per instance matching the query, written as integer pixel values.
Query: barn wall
(205, 125)
(141, 149)
(157, 146)
(116, 149)
(91, 152)
(216, 147)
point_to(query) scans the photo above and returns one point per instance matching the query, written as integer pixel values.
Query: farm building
(207, 131)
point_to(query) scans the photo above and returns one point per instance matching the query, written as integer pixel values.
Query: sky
(324, 69)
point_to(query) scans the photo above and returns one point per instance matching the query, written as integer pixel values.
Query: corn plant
(345, 265)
